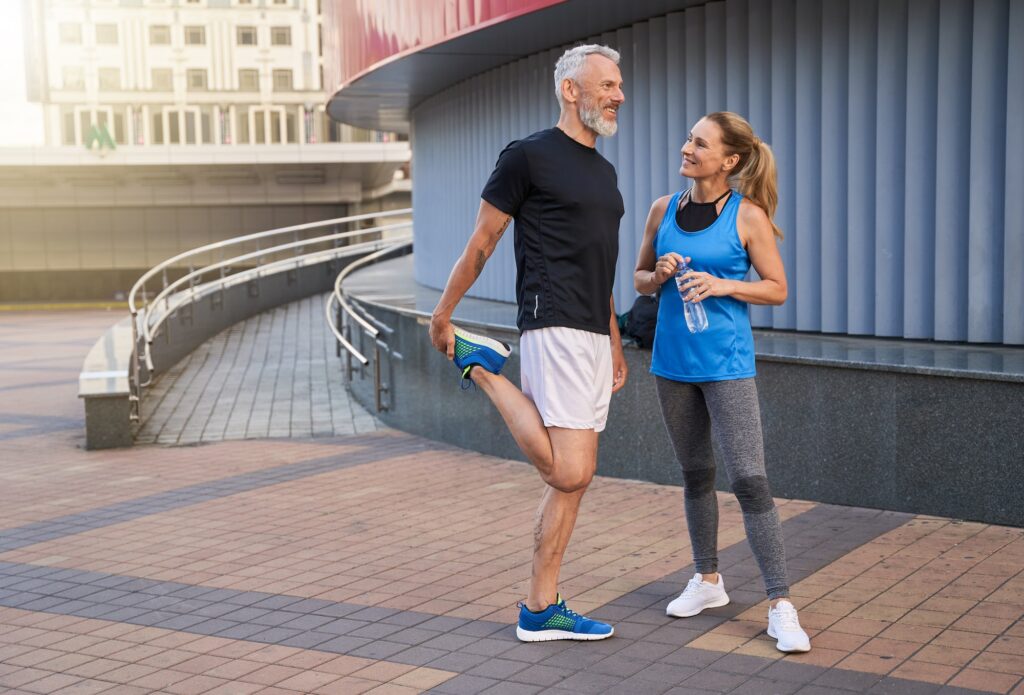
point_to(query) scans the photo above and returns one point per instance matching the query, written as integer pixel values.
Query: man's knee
(567, 478)
(754, 494)
(573, 459)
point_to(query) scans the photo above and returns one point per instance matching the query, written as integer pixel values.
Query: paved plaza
(334, 555)
(273, 375)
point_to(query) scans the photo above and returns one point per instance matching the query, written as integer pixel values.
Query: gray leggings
(726, 411)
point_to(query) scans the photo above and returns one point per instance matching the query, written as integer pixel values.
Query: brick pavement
(273, 375)
(381, 562)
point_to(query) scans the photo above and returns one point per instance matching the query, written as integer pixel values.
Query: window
(195, 36)
(68, 131)
(70, 33)
(159, 35)
(196, 80)
(157, 130)
(249, 80)
(106, 34)
(74, 78)
(280, 36)
(245, 36)
(242, 125)
(163, 80)
(283, 80)
(110, 79)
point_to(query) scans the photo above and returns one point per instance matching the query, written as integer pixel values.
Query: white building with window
(186, 72)
(170, 124)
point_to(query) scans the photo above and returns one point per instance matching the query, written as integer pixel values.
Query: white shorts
(568, 375)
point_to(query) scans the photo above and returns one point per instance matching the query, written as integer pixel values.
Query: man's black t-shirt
(566, 204)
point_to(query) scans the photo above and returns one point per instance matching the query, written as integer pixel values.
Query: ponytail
(755, 172)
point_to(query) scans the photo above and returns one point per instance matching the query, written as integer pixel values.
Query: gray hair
(573, 60)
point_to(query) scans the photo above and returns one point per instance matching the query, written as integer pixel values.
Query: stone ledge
(103, 385)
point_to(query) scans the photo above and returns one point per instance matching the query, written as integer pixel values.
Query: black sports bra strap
(688, 197)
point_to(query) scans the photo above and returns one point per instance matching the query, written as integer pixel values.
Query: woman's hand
(666, 266)
(700, 286)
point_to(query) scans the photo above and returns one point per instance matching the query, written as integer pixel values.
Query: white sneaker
(697, 596)
(784, 626)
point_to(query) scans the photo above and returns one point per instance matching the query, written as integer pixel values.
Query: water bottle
(696, 317)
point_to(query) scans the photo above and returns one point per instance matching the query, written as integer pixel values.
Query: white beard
(591, 116)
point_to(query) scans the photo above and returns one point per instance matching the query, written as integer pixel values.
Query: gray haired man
(565, 200)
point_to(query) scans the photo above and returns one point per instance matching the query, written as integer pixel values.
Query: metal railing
(149, 316)
(348, 312)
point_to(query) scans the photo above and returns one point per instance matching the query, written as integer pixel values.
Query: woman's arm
(652, 272)
(755, 232)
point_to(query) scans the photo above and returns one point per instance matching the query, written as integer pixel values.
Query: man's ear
(569, 91)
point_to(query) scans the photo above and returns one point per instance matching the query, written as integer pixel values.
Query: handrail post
(376, 374)
(348, 355)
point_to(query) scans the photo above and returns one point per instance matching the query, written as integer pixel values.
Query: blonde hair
(755, 171)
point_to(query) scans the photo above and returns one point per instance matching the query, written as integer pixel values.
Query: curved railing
(371, 327)
(287, 249)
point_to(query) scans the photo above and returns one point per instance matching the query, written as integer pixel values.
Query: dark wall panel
(894, 126)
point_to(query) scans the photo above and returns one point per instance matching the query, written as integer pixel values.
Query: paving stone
(378, 649)
(418, 656)
(717, 681)
(763, 686)
(635, 685)
(512, 689)
(899, 686)
(465, 685)
(499, 669)
(460, 663)
(587, 682)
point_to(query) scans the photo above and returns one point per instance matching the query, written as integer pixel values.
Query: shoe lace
(464, 381)
(569, 611)
(785, 616)
(693, 586)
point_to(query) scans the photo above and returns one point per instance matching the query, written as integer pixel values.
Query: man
(565, 200)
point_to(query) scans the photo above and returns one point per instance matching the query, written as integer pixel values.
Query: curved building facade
(896, 126)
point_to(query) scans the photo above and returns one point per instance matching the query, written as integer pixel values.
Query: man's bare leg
(556, 516)
(566, 460)
(563, 470)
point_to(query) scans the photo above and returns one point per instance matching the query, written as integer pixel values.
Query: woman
(705, 380)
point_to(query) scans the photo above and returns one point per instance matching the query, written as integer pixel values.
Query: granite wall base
(107, 424)
(882, 439)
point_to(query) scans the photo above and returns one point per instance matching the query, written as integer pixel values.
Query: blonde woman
(705, 379)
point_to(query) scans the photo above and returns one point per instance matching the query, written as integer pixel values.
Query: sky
(21, 123)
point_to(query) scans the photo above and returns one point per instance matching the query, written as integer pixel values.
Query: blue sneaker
(476, 350)
(558, 622)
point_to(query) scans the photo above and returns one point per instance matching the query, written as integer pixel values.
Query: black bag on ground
(641, 320)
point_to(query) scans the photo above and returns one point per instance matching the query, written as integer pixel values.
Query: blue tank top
(725, 350)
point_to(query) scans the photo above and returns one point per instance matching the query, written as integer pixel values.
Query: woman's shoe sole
(798, 650)
(717, 604)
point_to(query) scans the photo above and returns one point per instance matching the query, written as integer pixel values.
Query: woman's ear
(730, 162)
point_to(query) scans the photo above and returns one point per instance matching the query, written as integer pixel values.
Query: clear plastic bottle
(696, 317)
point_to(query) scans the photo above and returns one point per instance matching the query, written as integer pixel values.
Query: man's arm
(620, 370)
(491, 223)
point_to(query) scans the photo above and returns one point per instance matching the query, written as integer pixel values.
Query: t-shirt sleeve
(510, 181)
